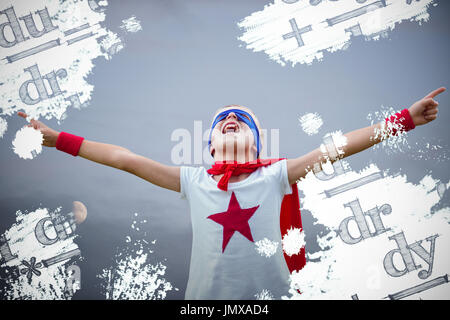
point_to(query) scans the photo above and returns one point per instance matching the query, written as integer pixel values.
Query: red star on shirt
(234, 219)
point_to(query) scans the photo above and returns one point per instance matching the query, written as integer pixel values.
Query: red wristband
(401, 121)
(69, 143)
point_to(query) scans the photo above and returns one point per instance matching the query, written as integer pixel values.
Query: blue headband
(240, 115)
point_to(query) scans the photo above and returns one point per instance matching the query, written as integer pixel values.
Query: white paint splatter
(266, 247)
(293, 241)
(427, 183)
(429, 149)
(426, 148)
(132, 276)
(311, 123)
(28, 142)
(340, 269)
(270, 30)
(111, 44)
(264, 295)
(390, 143)
(47, 283)
(339, 140)
(3, 127)
(441, 188)
(332, 148)
(131, 25)
(70, 60)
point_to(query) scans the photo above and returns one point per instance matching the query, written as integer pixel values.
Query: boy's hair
(237, 106)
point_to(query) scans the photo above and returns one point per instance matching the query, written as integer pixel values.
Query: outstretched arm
(117, 157)
(422, 112)
(163, 176)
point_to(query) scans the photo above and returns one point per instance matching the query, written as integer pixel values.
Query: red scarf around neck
(290, 207)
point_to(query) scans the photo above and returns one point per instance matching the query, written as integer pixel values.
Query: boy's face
(232, 138)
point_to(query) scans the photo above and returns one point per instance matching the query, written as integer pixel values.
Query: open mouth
(230, 127)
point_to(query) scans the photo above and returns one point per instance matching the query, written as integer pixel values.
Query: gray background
(183, 65)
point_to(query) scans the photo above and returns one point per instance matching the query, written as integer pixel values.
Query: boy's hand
(50, 135)
(425, 110)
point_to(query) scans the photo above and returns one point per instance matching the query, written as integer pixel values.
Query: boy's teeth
(230, 128)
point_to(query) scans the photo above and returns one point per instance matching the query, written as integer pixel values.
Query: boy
(237, 202)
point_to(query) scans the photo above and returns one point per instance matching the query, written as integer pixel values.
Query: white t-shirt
(243, 269)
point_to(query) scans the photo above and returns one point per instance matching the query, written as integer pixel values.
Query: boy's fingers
(22, 114)
(430, 103)
(431, 111)
(434, 93)
(32, 121)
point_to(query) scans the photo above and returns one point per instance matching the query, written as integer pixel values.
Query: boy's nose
(231, 114)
